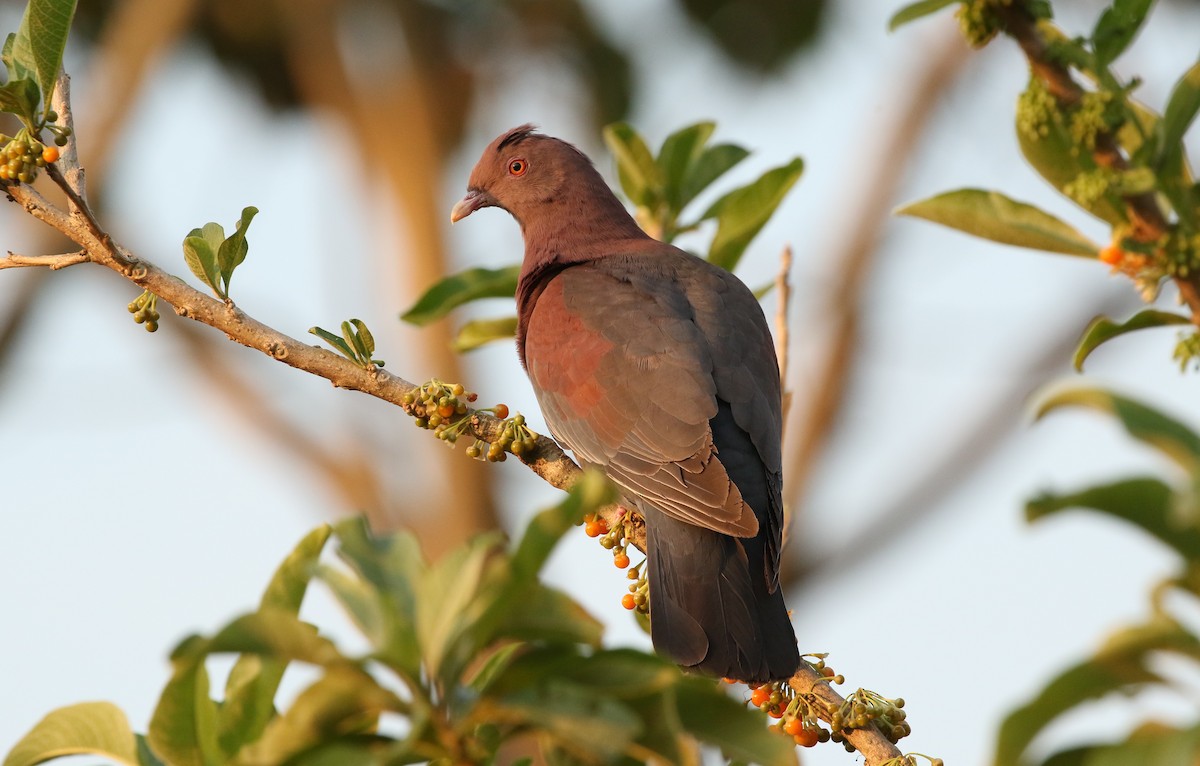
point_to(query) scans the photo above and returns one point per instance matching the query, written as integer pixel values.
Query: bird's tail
(710, 607)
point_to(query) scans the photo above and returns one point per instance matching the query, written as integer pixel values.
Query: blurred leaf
(480, 332)
(1102, 329)
(1120, 665)
(232, 251)
(540, 613)
(589, 725)
(743, 212)
(1182, 107)
(40, 41)
(275, 633)
(641, 178)
(991, 215)
(361, 602)
(1116, 28)
(254, 680)
(542, 534)
(762, 34)
(496, 664)
(146, 756)
(448, 608)
(19, 97)
(1144, 502)
(1166, 434)
(183, 728)
(712, 716)
(621, 673)
(915, 11)
(460, 288)
(345, 701)
(1149, 745)
(713, 162)
(679, 151)
(395, 566)
(89, 728)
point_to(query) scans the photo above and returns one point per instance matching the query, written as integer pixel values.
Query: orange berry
(621, 560)
(806, 738)
(502, 411)
(827, 671)
(592, 529)
(446, 411)
(794, 726)
(775, 711)
(1111, 255)
(759, 697)
(730, 681)
(628, 601)
(50, 154)
(603, 526)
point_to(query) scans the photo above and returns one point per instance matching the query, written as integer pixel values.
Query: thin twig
(783, 297)
(53, 262)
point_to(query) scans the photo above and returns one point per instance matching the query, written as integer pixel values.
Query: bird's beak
(474, 200)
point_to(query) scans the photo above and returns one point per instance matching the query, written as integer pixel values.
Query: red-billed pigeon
(658, 367)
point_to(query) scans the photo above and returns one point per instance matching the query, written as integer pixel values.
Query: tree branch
(53, 262)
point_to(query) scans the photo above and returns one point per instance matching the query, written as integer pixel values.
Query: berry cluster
(864, 707)
(145, 311)
(442, 407)
(615, 539)
(23, 156)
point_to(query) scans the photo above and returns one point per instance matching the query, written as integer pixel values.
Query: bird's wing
(629, 356)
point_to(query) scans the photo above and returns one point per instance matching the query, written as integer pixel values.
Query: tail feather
(707, 610)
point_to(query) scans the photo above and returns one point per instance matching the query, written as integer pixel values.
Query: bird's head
(522, 170)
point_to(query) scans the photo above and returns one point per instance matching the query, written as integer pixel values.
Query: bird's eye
(518, 167)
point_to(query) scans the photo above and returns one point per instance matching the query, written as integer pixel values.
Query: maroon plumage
(659, 368)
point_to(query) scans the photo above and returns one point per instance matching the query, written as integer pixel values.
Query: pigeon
(658, 368)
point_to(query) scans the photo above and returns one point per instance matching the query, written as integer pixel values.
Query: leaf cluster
(356, 342)
(471, 651)
(1122, 162)
(32, 57)
(212, 256)
(662, 188)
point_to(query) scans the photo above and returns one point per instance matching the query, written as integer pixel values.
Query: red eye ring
(517, 167)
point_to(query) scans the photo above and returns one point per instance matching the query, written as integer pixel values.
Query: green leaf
(89, 728)
(539, 613)
(1147, 503)
(641, 178)
(254, 680)
(334, 341)
(1102, 329)
(356, 343)
(20, 97)
(713, 162)
(460, 288)
(41, 40)
(917, 10)
(743, 212)
(712, 716)
(393, 564)
(1116, 28)
(1119, 666)
(1182, 106)
(587, 724)
(361, 602)
(991, 215)
(479, 332)
(1150, 426)
(679, 151)
(1149, 745)
(183, 729)
(620, 673)
(273, 633)
(344, 702)
(542, 534)
(232, 251)
(448, 606)
(364, 336)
